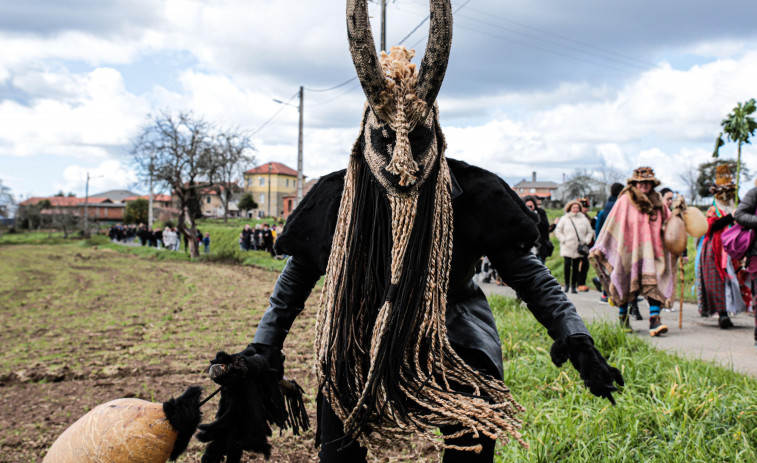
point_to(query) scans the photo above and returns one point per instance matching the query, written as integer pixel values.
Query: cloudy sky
(546, 85)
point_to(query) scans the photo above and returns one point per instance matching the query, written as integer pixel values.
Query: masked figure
(406, 342)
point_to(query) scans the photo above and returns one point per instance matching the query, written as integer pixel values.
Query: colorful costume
(629, 256)
(719, 289)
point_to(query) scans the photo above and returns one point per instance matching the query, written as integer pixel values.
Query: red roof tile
(158, 198)
(276, 168)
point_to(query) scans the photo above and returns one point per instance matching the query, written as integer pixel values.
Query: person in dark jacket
(405, 341)
(746, 216)
(615, 190)
(544, 248)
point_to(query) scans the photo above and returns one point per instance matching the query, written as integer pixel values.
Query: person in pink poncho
(629, 256)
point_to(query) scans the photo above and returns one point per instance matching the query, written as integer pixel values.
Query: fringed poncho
(629, 255)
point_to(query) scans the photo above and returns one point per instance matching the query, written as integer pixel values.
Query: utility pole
(270, 166)
(299, 150)
(383, 25)
(86, 208)
(149, 207)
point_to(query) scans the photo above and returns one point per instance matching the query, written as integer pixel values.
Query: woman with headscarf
(719, 290)
(573, 230)
(629, 255)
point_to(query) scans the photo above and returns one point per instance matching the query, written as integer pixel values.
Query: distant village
(272, 185)
(273, 188)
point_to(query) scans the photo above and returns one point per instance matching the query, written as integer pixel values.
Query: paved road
(699, 338)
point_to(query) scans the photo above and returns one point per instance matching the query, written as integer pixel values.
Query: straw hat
(643, 174)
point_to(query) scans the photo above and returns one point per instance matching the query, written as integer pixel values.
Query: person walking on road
(746, 216)
(544, 246)
(629, 255)
(719, 289)
(573, 230)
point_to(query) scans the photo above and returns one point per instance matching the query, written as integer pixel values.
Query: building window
(207, 200)
(287, 182)
(262, 181)
(262, 198)
(249, 182)
(533, 190)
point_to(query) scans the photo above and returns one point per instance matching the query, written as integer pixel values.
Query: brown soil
(81, 327)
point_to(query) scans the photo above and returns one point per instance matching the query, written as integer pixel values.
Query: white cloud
(108, 175)
(90, 115)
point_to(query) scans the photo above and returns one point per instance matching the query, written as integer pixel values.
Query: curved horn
(363, 51)
(434, 64)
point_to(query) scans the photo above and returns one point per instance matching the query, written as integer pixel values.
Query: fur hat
(724, 188)
(643, 174)
(571, 203)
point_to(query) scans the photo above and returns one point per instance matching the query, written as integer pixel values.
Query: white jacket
(568, 237)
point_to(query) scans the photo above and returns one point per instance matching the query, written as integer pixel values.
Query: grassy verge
(83, 326)
(671, 410)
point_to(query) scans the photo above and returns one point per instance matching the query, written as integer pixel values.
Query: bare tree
(177, 152)
(578, 185)
(232, 155)
(607, 176)
(6, 200)
(689, 178)
(63, 219)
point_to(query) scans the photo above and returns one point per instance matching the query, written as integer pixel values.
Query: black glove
(250, 400)
(598, 376)
(721, 223)
(273, 355)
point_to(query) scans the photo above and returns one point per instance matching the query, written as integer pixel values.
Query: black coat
(489, 219)
(546, 248)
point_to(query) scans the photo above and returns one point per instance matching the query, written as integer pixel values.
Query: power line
(563, 37)
(330, 88)
(350, 90)
(427, 16)
(283, 106)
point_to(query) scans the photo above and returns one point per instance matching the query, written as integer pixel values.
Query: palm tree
(739, 126)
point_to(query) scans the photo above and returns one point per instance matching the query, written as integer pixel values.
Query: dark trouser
(332, 450)
(583, 271)
(571, 264)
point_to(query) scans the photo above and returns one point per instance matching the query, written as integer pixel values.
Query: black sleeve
(310, 229)
(721, 223)
(541, 292)
(745, 213)
(287, 301)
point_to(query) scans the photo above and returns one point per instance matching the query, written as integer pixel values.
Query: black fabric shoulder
(487, 203)
(310, 229)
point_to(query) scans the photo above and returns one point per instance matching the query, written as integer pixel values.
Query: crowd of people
(260, 238)
(625, 245)
(167, 237)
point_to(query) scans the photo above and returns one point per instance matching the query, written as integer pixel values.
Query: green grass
(671, 410)
(133, 324)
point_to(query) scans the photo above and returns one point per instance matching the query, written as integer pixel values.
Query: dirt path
(699, 337)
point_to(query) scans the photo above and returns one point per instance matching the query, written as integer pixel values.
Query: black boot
(567, 288)
(633, 310)
(656, 327)
(724, 321)
(573, 289)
